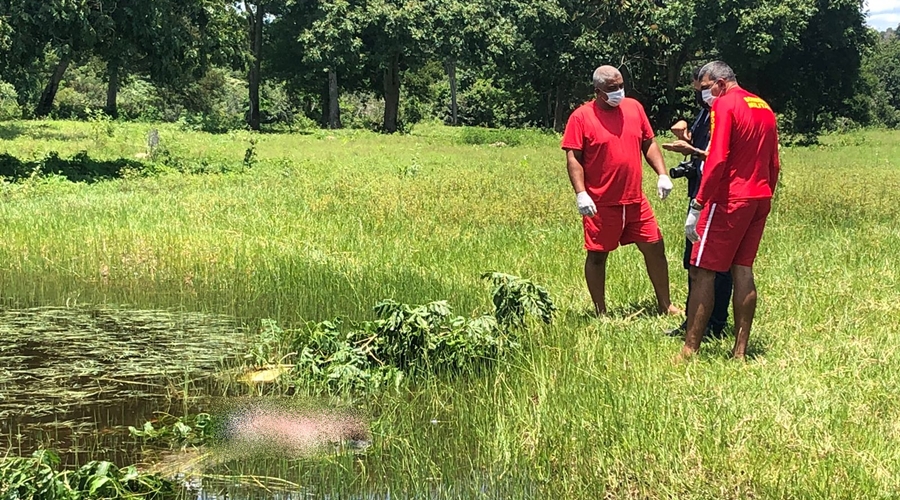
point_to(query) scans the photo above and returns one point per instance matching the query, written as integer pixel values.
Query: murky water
(74, 379)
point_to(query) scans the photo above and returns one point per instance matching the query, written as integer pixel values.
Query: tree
(803, 56)
(558, 44)
(881, 77)
(396, 38)
(56, 31)
(257, 14)
(332, 42)
(169, 40)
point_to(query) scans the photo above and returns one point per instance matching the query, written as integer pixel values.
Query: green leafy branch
(339, 356)
(39, 477)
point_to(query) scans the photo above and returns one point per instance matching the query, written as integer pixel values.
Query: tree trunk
(256, 27)
(451, 75)
(548, 112)
(45, 105)
(112, 89)
(559, 114)
(673, 72)
(334, 107)
(392, 94)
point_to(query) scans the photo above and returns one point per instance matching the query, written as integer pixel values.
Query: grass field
(326, 224)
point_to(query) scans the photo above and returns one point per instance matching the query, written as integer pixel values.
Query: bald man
(604, 141)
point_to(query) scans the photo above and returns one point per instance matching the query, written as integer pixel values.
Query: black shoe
(677, 331)
(716, 332)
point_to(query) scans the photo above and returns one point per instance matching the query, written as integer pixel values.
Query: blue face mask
(615, 98)
(708, 98)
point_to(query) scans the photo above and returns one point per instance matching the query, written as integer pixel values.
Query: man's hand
(586, 205)
(682, 147)
(664, 186)
(690, 225)
(680, 129)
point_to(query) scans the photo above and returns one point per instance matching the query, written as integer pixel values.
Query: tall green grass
(329, 223)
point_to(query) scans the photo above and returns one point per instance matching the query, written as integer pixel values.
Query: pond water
(74, 379)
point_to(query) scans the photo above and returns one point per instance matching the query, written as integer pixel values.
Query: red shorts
(620, 225)
(730, 234)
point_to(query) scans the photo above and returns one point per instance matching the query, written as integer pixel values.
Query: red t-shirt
(743, 150)
(610, 142)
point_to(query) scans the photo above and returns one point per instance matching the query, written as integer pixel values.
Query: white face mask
(615, 98)
(708, 98)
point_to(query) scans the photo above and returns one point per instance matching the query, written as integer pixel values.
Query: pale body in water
(296, 431)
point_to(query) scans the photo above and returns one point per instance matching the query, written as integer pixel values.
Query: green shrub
(338, 356)
(9, 102)
(362, 110)
(140, 100)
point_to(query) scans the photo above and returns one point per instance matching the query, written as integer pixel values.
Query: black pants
(722, 293)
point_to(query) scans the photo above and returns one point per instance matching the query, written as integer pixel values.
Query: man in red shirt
(604, 141)
(728, 215)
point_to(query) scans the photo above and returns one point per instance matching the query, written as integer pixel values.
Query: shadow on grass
(11, 131)
(79, 168)
(635, 310)
(722, 345)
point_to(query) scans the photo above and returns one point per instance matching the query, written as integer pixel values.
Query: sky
(883, 14)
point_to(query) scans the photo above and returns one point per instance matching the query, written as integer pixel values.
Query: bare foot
(685, 355)
(670, 311)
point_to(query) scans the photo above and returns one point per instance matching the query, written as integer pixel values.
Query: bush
(406, 340)
(216, 103)
(9, 102)
(83, 88)
(275, 104)
(141, 100)
(362, 110)
(883, 111)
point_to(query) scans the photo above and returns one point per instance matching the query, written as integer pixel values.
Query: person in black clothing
(693, 141)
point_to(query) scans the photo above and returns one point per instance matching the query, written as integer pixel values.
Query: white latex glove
(586, 205)
(690, 225)
(664, 186)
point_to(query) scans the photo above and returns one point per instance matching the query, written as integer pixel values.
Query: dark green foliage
(190, 430)
(882, 84)
(38, 477)
(512, 63)
(79, 168)
(405, 340)
(515, 298)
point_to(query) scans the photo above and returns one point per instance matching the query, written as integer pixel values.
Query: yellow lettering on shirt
(756, 103)
(712, 122)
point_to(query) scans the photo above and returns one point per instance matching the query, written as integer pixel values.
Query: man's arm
(576, 170)
(583, 200)
(776, 168)
(654, 156)
(685, 148)
(655, 159)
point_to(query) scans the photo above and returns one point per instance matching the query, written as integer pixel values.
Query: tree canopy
(481, 62)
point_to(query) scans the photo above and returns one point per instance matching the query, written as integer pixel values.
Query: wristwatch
(695, 205)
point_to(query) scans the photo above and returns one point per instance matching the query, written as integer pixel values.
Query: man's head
(695, 82)
(609, 86)
(715, 79)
